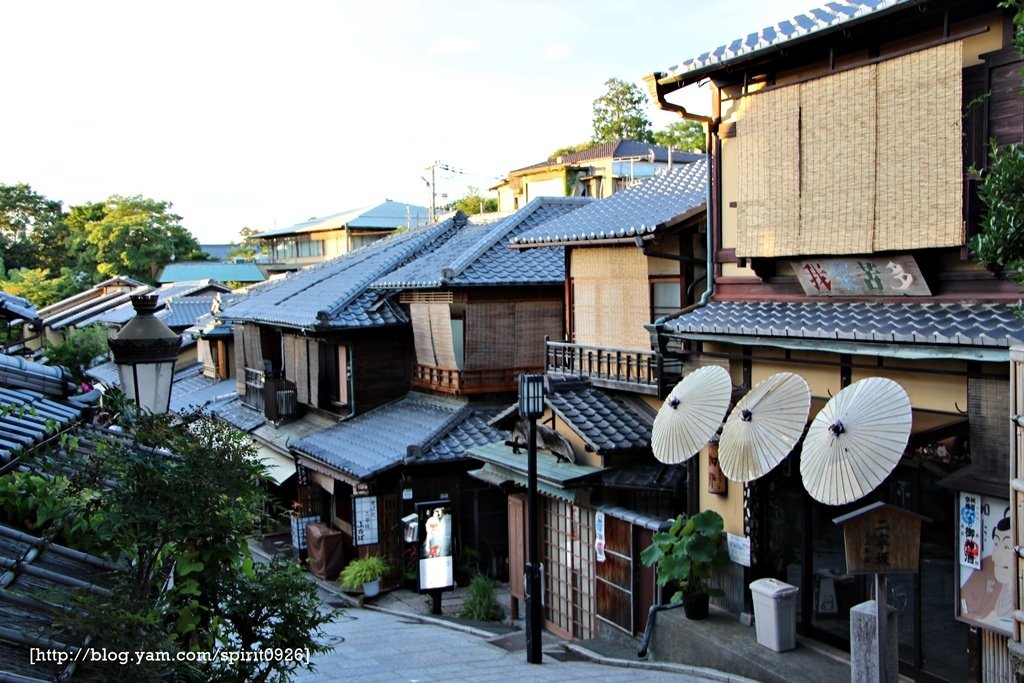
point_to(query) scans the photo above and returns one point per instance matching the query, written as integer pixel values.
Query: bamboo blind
(919, 150)
(534, 321)
(604, 278)
(422, 339)
(861, 161)
(301, 366)
(239, 332)
(490, 331)
(441, 333)
(768, 194)
(837, 164)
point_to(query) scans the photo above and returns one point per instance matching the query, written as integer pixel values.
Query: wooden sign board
(881, 539)
(861, 276)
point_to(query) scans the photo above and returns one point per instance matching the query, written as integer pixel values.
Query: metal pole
(881, 614)
(533, 611)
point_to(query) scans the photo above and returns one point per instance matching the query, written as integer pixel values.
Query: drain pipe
(650, 625)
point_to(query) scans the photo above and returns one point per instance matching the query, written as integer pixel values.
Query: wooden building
(842, 202)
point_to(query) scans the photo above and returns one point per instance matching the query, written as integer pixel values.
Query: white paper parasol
(856, 441)
(691, 414)
(764, 426)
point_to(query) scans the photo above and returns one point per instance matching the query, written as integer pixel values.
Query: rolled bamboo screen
(422, 339)
(920, 159)
(490, 331)
(837, 164)
(861, 161)
(534, 321)
(604, 278)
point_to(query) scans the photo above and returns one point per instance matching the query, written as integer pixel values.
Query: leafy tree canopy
(619, 114)
(40, 287)
(32, 229)
(683, 135)
(78, 350)
(131, 236)
(248, 247)
(474, 203)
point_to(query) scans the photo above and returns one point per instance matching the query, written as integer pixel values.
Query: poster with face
(435, 563)
(986, 595)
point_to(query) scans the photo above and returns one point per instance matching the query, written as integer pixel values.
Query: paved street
(370, 645)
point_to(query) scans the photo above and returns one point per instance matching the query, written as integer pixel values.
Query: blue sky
(265, 114)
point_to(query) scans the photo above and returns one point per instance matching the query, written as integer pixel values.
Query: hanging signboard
(435, 556)
(599, 537)
(739, 549)
(861, 276)
(364, 520)
(985, 547)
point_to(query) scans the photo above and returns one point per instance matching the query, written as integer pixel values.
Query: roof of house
(417, 428)
(93, 292)
(212, 270)
(636, 211)
(385, 216)
(16, 308)
(38, 576)
(836, 16)
(75, 310)
(622, 149)
(235, 412)
(604, 422)
(913, 330)
(334, 293)
(192, 390)
(477, 254)
(182, 304)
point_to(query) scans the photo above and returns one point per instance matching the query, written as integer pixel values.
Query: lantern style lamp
(144, 352)
(531, 407)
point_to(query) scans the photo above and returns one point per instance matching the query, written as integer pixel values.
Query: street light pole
(531, 406)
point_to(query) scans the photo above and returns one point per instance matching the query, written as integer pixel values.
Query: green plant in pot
(364, 573)
(686, 556)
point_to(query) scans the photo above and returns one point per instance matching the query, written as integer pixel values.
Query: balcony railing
(627, 369)
(253, 389)
(461, 382)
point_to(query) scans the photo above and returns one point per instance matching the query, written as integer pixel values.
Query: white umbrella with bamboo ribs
(691, 414)
(856, 441)
(764, 427)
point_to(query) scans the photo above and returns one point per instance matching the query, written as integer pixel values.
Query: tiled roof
(614, 150)
(198, 391)
(92, 293)
(235, 412)
(213, 270)
(376, 441)
(955, 330)
(385, 216)
(16, 308)
(603, 421)
(333, 294)
(477, 254)
(88, 312)
(834, 16)
(186, 293)
(473, 431)
(40, 577)
(635, 211)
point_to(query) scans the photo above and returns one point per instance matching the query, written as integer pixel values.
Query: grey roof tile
(387, 215)
(615, 149)
(478, 254)
(833, 16)
(934, 324)
(198, 391)
(603, 421)
(16, 308)
(638, 210)
(235, 412)
(323, 296)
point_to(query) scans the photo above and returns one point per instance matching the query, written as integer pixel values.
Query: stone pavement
(393, 638)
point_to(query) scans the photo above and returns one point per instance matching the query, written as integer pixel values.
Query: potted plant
(364, 573)
(686, 556)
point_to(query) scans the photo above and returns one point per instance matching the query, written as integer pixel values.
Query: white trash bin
(775, 613)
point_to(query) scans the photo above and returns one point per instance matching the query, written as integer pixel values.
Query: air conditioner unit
(286, 399)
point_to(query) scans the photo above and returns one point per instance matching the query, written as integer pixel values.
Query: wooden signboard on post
(882, 538)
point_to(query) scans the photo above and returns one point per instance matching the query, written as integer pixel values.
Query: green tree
(32, 229)
(131, 236)
(78, 350)
(39, 287)
(683, 135)
(474, 203)
(248, 247)
(619, 113)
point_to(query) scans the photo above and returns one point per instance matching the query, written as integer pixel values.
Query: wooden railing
(455, 381)
(627, 369)
(253, 389)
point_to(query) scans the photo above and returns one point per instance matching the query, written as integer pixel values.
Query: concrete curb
(668, 667)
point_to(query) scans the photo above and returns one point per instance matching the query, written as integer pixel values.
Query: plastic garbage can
(775, 613)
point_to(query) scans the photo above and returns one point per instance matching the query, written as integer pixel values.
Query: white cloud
(557, 51)
(452, 45)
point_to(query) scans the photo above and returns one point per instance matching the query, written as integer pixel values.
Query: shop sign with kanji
(861, 276)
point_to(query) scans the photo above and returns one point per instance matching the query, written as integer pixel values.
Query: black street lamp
(531, 407)
(144, 351)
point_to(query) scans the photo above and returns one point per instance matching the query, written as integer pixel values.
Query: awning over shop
(981, 332)
(279, 466)
(499, 476)
(550, 470)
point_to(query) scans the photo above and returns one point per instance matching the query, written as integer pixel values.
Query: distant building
(596, 172)
(217, 252)
(244, 272)
(322, 238)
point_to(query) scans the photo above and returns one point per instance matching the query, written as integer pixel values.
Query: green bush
(363, 570)
(480, 603)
